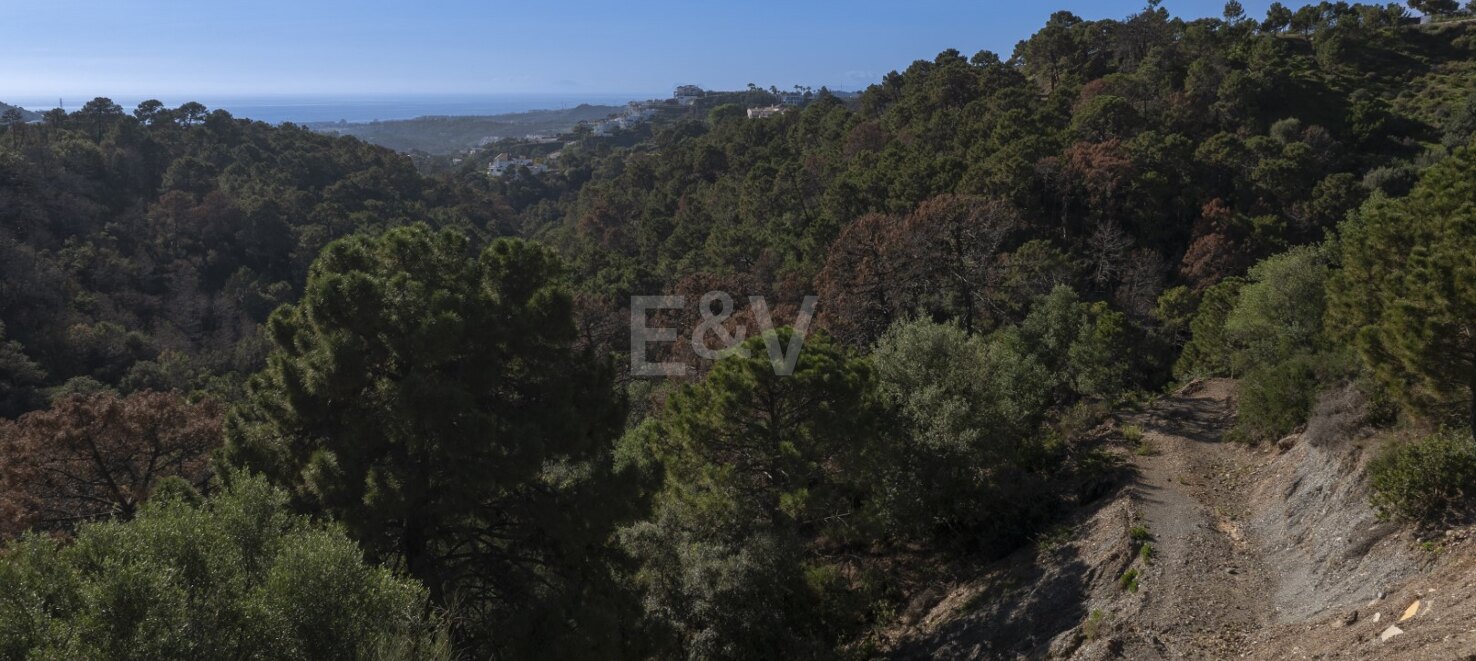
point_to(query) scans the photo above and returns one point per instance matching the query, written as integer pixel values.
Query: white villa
(770, 111)
(504, 164)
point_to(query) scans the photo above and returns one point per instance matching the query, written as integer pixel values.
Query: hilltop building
(770, 111)
(687, 94)
(504, 164)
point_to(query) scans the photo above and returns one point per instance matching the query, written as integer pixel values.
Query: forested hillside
(144, 250)
(1131, 156)
(11, 114)
(343, 381)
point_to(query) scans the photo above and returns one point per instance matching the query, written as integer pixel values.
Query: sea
(305, 109)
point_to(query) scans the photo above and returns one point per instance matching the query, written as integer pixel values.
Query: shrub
(1275, 399)
(1076, 422)
(232, 576)
(1142, 447)
(1094, 623)
(1426, 479)
(1129, 580)
(963, 466)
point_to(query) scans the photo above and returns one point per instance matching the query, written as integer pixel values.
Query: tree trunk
(418, 560)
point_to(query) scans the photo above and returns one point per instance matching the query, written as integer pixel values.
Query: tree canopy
(429, 398)
(1407, 289)
(229, 576)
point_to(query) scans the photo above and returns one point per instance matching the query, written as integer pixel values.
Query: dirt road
(1204, 587)
(1268, 552)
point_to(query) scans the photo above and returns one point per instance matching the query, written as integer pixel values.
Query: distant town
(758, 103)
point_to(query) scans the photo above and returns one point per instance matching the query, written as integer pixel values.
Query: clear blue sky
(141, 48)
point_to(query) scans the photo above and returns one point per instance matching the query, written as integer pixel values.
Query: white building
(504, 164)
(687, 94)
(770, 111)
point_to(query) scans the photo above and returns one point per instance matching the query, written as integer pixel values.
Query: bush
(1424, 480)
(1275, 399)
(1129, 580)
(962, 467)
(1094, 624)
(229, 577)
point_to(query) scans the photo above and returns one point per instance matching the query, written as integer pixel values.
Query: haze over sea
(352, 108)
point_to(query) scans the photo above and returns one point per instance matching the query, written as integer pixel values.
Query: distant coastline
(304, 109)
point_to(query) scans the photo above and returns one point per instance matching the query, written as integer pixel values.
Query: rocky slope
(1215, 550)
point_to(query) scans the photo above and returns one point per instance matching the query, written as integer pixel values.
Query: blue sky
(141, 48)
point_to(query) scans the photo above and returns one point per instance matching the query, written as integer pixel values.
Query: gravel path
(1205, 588)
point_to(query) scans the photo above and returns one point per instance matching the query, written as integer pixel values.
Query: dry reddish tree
(1103, 171)
(952, 254)
(857, 286)
(1214, 253)
(100, 455)
(942, 259)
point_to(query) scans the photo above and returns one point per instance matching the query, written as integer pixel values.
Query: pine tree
(432, 403)
(1407, 289)
(757, 466)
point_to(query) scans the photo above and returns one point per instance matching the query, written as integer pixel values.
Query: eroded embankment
(1267, 553)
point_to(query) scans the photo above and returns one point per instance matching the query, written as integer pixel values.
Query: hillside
(25, 115)
(145, 250)
(449, 135)
(1153, 338)
(1268, 553)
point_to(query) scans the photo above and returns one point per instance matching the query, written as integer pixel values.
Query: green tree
(1277, 18)
(1209, 351)
(788, 443)
(1280, 309)
(959, 462)
(757, 467)
(1406, 292)
(432, 403)
(1084, 346)
(20, 378)
(1234, 11)
(1435, 7)
(233, 576)
(97, 115)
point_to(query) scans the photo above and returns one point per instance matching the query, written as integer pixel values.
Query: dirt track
(1205, 587)
(1273, 553)
(1267, 552)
